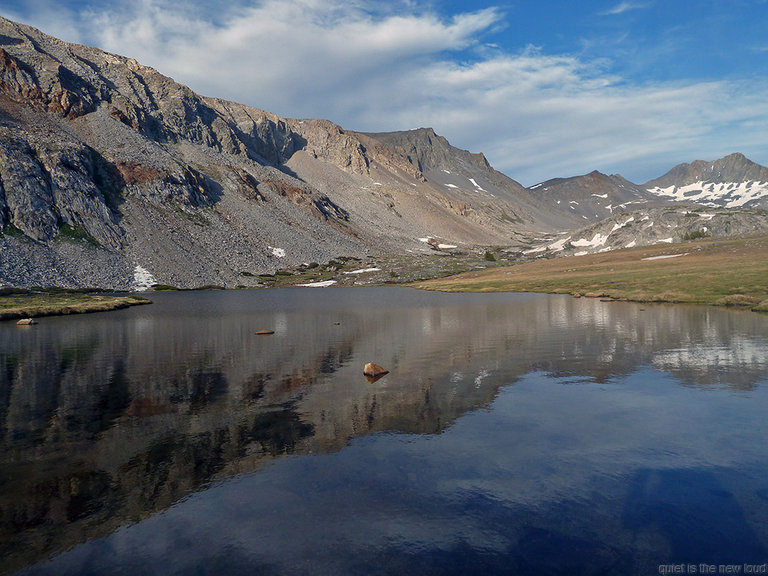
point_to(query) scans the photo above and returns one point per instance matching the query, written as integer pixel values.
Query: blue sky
(544, 89)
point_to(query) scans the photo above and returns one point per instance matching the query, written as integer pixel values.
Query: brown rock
(373, 370)
(26, 322)
(265, 332)
(594, 295)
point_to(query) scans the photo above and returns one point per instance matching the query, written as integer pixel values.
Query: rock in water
(26, 322)
(373, 370)
(265, 332)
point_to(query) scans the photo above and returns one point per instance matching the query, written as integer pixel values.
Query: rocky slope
(648, 226)
(111, 172)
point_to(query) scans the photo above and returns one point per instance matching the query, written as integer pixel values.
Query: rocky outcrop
(62, 93)
(48, 186)
(426, 151)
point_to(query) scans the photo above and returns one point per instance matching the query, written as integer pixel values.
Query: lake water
(514, 434)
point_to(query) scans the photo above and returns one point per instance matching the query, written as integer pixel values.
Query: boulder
(265, 332)
(26, 322)
(374, 370)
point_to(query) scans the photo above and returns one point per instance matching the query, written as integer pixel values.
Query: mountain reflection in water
(107, 419)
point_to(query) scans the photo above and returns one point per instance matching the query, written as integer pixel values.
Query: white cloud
(535, 115)
(622, 7)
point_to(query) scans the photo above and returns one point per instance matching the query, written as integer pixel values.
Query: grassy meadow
(34, 304)
(730, 272)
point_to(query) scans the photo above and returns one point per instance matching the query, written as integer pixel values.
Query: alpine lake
(514, 434)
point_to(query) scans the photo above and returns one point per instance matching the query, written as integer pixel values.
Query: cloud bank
(534, 115)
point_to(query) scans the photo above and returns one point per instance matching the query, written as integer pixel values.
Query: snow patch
(446, 246)
(601, 195)
(631, 244)
(728, 194)
(665, 241)
(363, 271)
(597, 240)
(559, 245)
(142, 279)
(323, 284)
(451, 186)
(279, 252)
(476, 185)
(665, 256)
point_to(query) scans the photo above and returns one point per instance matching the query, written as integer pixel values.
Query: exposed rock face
(47, 186)
(426, 150)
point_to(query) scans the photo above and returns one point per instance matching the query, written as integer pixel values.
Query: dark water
(515, 434)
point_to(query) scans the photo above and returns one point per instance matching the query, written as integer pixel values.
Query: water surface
(515, 434)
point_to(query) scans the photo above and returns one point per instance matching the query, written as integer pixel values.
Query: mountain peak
(732, 181)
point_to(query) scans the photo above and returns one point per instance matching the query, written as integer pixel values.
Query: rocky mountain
(730, 182)
(112, 174)
(116, 176)
(593, 197)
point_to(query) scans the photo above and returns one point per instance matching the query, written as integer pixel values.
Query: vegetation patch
(164, 288)
(76, 234)
(36, 304)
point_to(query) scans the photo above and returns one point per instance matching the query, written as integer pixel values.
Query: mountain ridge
(114, 175)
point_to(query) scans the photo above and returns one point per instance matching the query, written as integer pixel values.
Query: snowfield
(727, 194)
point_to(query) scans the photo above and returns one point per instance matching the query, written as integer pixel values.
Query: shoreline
(715, 272)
